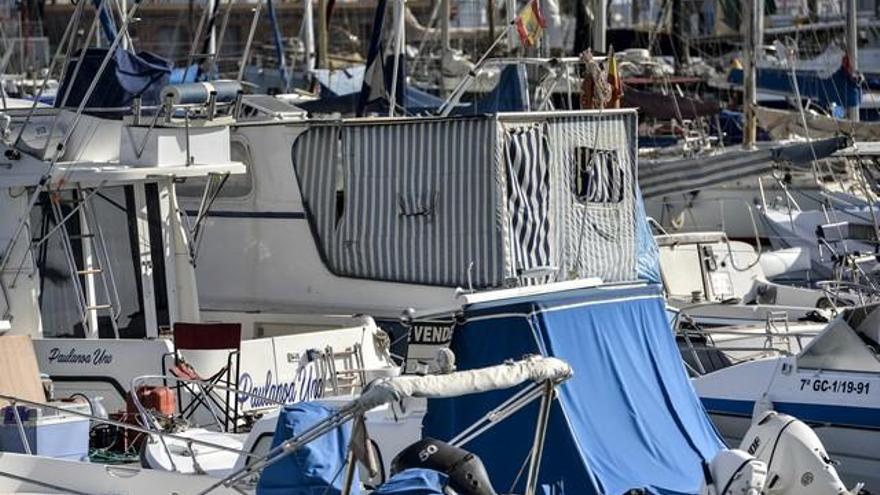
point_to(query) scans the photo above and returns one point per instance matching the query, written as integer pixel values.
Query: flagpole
(398, 44)
(456, 94)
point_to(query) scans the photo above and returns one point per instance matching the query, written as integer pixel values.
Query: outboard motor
(467, 475)
(734, 472)
(797, 462)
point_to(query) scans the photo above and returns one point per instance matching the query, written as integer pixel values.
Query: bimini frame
(544, 373)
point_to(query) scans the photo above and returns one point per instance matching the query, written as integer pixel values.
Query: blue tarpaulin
(415, 481)
(317, 467)
(839, 89)
(509, 95)
(126, 76)
(647, 252)
(628, 419)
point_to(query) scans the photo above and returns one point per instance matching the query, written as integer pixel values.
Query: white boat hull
(21, 473)
(842, 407)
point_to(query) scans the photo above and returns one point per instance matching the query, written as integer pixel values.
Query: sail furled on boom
(663, 177)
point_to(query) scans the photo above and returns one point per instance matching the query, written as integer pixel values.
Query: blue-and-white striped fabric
(420, 200)
(473, 201)
(526, 159)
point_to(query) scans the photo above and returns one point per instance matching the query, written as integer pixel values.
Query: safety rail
(540, 375)
(658, 223)
(776, 340)
(15, 401)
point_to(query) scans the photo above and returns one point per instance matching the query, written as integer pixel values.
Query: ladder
(95, 259)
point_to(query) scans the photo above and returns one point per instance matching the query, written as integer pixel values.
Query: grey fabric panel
(595, 238)
(316, 159)
(419, 200)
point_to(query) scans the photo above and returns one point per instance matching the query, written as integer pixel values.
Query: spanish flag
(614, 81)
(530, 23)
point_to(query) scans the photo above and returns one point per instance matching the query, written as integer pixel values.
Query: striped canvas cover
(593, 230)
(420, 200)
(483, 201)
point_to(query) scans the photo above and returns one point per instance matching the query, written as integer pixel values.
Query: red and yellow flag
(614, 81)
(530, 23)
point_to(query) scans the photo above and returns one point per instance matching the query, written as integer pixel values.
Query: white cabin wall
(23, 301)
(254, 262)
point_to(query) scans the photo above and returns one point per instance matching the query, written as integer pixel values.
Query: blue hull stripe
(845, 416)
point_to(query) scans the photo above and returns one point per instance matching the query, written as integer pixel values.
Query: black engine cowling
(467, 475)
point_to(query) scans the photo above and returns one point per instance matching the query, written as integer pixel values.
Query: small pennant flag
(530, 23)
(614, 81)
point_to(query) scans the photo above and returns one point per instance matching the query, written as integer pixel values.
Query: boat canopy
(481, 202)
(628, 419)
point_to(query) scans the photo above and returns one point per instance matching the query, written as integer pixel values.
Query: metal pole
(21, 433)
(540, 437)
(250, 41)
(600, 25)
(350, 468)
(446, 11)
(750, 72)
(455, 96)
(510, 6)
(399, 43)
(215, 67)
(323, 62)
(308, 34)
(852, 49)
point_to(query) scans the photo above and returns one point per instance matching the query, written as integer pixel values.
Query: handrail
(136, 381)
(39, 405)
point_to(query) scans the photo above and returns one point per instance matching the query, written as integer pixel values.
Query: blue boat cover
(417, 102)
(414, 481)
(629, 417)
(127, 75)
(839, 89)
(508, 95)
(647, 252)
(314, 469)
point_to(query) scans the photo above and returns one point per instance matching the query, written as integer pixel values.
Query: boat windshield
(115, 213)
(849, 343)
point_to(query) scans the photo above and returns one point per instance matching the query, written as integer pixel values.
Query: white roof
(27, 172)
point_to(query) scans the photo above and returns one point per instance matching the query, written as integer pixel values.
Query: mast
(600, 25)
(852, 48)
(307, 33)
(753, 38)
(446, 11)
(679, 33)
(445, 46)
(322, 35)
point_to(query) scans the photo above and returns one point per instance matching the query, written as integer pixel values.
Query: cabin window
(599, 176)
(114, 211)
(236, 186)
